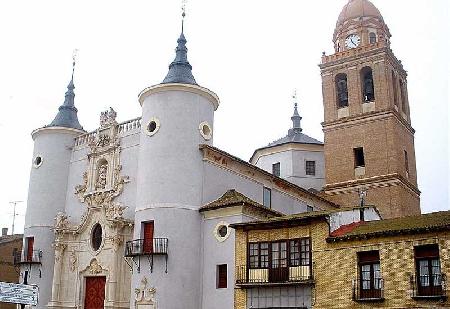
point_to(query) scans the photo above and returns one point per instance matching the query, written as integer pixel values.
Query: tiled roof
(235, 198)
(9, 238)
(295, 137)
(406, 225)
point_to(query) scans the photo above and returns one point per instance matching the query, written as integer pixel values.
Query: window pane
(305, 251)
(424, 277)
(295, 253)
(253, 255)
(276, 169)
(310, 168)
(267, 197)
(264, 246)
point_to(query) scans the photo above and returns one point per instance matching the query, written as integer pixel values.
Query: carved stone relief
(145, 296)
(102, 181)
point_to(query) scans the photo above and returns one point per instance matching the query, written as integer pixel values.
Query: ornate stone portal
(75, 255)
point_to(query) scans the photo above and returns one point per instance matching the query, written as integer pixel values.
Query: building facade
(369, 140)
(137, 214)
(336, 260)
(10, 249)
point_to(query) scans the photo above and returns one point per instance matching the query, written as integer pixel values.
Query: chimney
(4, 231)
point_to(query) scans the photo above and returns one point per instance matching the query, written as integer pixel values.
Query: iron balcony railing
(27, 257)
(152, 246)
(429, 286)
(246, 276)
(369, 290)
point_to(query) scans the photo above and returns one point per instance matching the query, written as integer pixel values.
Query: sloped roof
(436, 221)
(294, 137)
(235, 198)
(10, 238)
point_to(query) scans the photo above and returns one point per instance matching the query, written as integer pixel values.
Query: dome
(358, 8)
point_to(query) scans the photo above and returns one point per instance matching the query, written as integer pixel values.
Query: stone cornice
(364, 118)
(375, 181)
(56, 130)
(205, 92)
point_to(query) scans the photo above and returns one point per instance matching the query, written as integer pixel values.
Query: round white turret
(176, 119)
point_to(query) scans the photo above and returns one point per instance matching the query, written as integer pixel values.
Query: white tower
(177, 116)
(47, 194)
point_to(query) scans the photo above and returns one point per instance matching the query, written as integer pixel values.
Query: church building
(137, 214)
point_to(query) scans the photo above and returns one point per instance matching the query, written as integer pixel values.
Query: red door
(148, 237)
(95, 293)
(30, 244)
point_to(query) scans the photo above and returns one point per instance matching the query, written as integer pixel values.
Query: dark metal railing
(261, 276)
(25, 257)
(374, 292)
(433, 285)
(146, 247)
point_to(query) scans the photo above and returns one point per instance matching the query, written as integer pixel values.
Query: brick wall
(8, 272)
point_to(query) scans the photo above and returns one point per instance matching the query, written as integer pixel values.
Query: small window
(276, 169)
(372, 38)
(367, 84)
(359, 157)
(267, 197)
(406, 161)
(310, 168)
(429, 279)
(152, 126)
(394, 87)
(402, 96)
(97, 237)
(37, 162)
(222, 276)
(309, 208)
(29, 243)
(341, 90)
(370, 281)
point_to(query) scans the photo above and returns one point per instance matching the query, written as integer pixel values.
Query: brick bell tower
(369, 140)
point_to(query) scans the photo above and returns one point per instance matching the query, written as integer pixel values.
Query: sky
(253, 54)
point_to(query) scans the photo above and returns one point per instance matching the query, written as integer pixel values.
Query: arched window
(341, 90)
(372, 38)
(367, 84)
(394, 86)
(402, 96)
(97, 237)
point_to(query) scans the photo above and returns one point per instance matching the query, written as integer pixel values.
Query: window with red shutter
(222, 276)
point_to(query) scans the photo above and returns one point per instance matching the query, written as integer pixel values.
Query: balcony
(251, 277)
(368, 294)
(138, 247)
(30, 257)
(429, 287)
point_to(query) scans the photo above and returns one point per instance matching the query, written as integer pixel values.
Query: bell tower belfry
(369, 140)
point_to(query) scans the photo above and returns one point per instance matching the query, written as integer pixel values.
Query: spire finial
(67, 112)
(296, 128)
(180, 71)
(74, 57)
(183, 14)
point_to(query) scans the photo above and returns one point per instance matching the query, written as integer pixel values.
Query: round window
(205, 130)
(222, 231)
(153, 126)
(97, 237)
(37, 161)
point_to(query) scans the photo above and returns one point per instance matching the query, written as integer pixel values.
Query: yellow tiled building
(315, 261)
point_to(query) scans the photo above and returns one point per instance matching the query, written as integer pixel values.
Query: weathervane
(74, 57)
(294, 96)
(183, 14)
(362, 192)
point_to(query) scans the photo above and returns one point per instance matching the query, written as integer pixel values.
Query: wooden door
(30, 244)
(95, 293)
(278, 271)
(148, 237)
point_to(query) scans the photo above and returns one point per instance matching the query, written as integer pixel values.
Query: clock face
(352, 41)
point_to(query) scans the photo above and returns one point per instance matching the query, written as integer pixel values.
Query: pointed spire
(67, 112)
(296, 118)
(180, 70)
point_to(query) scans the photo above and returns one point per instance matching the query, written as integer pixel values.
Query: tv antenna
(14, 214)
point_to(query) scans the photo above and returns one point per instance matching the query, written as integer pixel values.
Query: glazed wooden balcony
(251, 277)
(154, 246)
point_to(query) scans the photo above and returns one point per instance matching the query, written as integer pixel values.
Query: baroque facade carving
(145, 296)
